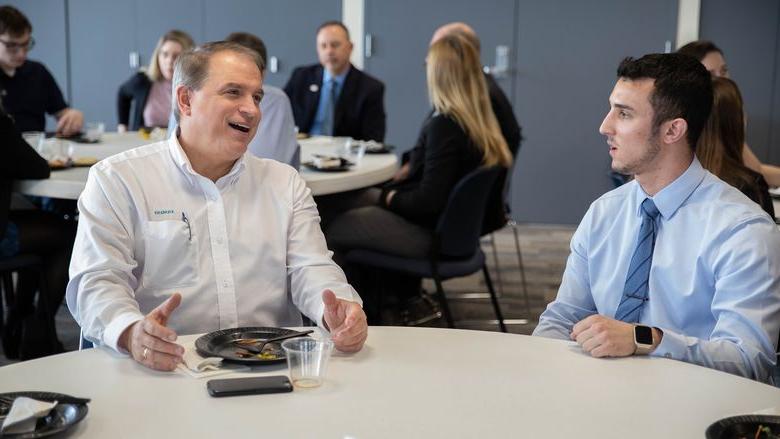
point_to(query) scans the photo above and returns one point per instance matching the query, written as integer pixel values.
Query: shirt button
(219, 241)
(225, 284)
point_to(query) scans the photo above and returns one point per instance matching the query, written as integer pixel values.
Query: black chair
(8, 266)
(455, 250)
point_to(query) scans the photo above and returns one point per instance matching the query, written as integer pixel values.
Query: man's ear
(183, 97)
(673, 131)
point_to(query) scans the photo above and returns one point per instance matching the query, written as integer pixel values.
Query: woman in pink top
(149, 90)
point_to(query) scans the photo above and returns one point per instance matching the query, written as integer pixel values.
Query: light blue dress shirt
(276, 135)
(316, 126)
(714, 286)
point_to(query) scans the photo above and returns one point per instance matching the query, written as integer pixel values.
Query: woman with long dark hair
(720, 146)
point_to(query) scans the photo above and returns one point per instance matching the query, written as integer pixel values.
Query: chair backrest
(460, 224)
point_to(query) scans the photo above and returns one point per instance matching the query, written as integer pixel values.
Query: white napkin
(196, 366)
(24, 415)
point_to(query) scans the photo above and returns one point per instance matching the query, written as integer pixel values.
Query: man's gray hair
(192, 66)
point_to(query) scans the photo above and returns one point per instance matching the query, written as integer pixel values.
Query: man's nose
(606, 125)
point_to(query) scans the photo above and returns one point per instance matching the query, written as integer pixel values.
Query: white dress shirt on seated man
(150, 226)
(276, 136)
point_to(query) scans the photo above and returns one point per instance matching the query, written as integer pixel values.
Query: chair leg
(522, 269)
(494, 299)
(44, 308)
(499, 279)
(445, 306)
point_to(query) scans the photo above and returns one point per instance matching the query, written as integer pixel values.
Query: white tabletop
(68, 183)
(412, 382)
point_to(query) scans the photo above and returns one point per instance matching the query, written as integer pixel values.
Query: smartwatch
(643, 339)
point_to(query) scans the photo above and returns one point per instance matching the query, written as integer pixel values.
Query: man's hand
(402, 173)
(69, 121)
(346, 322)
(150, 342)
(604, 337)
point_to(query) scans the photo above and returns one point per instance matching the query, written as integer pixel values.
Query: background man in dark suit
(333, 97)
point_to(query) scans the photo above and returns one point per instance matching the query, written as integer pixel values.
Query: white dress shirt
(276, 135)
(244, 251)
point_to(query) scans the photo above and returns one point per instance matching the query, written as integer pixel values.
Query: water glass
(307, 359)
(354, 150)
(34, 139)
(94, 131)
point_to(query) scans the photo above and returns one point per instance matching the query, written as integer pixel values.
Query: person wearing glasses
(193, 234)
(27, 89)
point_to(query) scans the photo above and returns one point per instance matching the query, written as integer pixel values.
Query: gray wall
(567, 54)
(748, 32)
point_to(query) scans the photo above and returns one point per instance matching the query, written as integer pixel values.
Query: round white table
(68, 183)
(411, 382)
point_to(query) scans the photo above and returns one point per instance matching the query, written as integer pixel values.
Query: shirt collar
(184, 165)
(326, 76)
(670, 198)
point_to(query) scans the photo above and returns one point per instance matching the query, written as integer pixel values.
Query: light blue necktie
(636, 289)
(328, 123)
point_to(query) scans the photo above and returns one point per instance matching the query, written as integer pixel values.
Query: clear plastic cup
(307, 359)
(354, 150)
(94, 131)
(34, 139)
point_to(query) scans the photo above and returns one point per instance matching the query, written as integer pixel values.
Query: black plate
(743, 426)
(220, 344)
(345, 165)
(78, 137)
(61, 418)
(386, 149)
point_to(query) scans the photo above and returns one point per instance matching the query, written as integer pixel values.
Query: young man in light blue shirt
(676, 263)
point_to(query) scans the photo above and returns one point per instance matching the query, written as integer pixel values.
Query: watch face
(643, 334)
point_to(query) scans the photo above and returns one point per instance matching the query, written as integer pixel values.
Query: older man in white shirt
(192, 235)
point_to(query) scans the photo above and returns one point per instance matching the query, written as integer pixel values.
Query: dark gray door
(401, 31)
(153, 18)
(748, 32)
(567, 55)
(48, 21)
(102, 35)
(286, 27)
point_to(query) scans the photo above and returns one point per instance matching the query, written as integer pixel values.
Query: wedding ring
(146, 351)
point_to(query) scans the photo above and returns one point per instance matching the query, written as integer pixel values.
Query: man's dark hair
(699, 49)
(333, 23)
(682, 88)
(251, 41)
(13, 22)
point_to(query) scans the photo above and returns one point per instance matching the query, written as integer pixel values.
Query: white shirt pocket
(171, 255)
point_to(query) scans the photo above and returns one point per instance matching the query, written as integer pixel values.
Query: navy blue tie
(635, 291)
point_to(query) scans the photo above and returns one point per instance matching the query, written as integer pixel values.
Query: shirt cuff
(672, 345)
(115, 329)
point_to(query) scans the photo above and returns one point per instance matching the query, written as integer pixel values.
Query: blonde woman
(460, 136)
(149, 91)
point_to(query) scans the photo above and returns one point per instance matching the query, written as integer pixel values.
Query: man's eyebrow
(623, 107)
(232, 85)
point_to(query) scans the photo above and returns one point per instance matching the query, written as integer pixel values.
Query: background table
(68, 183)
(412, 382)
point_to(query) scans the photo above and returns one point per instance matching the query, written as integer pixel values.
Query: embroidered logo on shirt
(163, 214)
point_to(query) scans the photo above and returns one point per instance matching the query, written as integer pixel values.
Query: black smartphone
(249, 386)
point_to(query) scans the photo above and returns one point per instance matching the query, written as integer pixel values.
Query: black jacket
(360, 110)
(20, 161)
(134, 92)
(445, 155)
